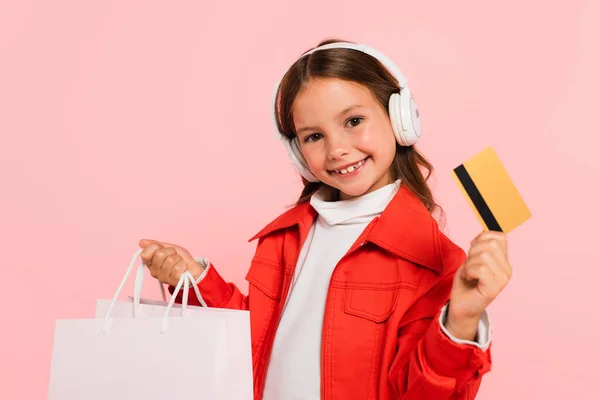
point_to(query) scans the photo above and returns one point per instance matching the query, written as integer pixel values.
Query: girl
(355, 293)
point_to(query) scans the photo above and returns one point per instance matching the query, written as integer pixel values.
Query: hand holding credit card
(491, 193)
(486, 270)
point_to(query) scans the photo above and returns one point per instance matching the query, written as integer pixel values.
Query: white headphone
(402, 109)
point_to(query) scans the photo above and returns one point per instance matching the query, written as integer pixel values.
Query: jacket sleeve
(431, 365)
(215, 291)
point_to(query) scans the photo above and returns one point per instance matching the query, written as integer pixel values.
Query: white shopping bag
(143, 349)
(237, 334)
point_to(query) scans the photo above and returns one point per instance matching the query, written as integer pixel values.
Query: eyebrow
(344, 111)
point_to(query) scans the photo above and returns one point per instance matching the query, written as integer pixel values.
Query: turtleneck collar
(360, 209)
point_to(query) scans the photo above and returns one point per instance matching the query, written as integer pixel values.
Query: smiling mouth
(349, 169)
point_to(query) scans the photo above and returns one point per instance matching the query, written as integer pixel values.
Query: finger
(486, 246)
(159, 259)
(161, 254)
(180, 250)
(168, 263)
(496, 237)
(491, 250)
(482, 277)
(178, 269)
(476, 271)
(147, 242)
(495, 276)
(148, 253)
(476, 238)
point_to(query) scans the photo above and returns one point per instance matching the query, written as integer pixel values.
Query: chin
(352, 189)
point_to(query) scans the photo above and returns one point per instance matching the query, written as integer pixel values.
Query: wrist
(196, 270)
(461, 327)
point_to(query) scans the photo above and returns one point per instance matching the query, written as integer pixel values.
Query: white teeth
(350, 169)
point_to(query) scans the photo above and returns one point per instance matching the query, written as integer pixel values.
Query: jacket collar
(405, 228)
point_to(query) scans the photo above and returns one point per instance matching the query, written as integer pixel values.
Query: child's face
(341, 125)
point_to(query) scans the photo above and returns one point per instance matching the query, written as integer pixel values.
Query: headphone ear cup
(395, 118)
(404, 117)
(297, 158)
(411, 120)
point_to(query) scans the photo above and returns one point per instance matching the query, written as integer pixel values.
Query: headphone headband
(387, 63)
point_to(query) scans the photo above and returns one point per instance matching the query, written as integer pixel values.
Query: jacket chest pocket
(267, 277)
(375, 303)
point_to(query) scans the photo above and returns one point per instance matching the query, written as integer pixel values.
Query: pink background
(122, 120)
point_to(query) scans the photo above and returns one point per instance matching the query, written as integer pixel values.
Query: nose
(337, 146)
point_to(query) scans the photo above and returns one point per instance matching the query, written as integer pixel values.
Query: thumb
(461, 273)
(147, 242)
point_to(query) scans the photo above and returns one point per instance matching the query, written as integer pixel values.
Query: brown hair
(361, 68)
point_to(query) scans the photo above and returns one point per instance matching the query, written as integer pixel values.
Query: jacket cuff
(452, 358)
(213, 288)
(203, 261)
(484, 330)
(215, 291)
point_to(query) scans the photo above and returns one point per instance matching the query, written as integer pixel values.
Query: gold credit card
(491, 193)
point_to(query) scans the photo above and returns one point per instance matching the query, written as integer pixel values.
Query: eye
(354, 121)
(313, 137)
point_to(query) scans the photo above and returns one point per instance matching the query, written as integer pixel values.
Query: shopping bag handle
(185, 278)
(139, 283)
(184, 281)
